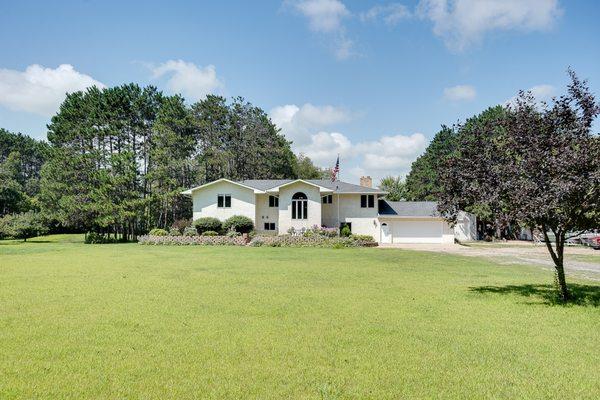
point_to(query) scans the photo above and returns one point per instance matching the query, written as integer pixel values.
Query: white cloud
(298, 123)
(188, 79)
(323, 15)
(462, 23)
(388, 155)
(305, 125)
(41, 90)
(390, 13)
(540, 93)
(327, 17)
(460, 93)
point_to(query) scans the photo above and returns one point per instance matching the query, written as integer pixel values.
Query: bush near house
(210, 233)
(181, 225)
(238, 223)
(190, 231)
(207, 224)
(158, 232)
(174, 232)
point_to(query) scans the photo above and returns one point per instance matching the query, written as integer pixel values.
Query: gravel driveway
(581, 261)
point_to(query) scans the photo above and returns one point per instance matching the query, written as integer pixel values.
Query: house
(275, 206)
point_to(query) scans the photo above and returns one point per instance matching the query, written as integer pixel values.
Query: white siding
(364, 220)
(285, 207)
(465, 229)
(242, 201)
(264, 213)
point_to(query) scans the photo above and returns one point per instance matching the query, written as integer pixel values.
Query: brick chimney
(366, 181)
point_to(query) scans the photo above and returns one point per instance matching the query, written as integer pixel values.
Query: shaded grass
(131, 321)
(581, 295)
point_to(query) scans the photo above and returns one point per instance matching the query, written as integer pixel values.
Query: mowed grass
(130, 321)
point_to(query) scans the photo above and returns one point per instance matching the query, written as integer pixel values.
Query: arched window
(299, 206)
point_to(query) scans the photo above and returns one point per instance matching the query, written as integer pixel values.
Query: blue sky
(371, 80)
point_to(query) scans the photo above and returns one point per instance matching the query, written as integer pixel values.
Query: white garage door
(417, 231)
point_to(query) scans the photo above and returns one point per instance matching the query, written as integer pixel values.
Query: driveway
(581, 261)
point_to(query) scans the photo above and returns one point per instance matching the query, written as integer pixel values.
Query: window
(224, 201)
(269, 226)
(273, 201)
(327, 199)
(299, 206)
(367, 201)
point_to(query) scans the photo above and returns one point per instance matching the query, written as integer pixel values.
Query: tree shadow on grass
(581, 295)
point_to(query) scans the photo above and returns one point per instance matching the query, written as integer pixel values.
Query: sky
(372, 81)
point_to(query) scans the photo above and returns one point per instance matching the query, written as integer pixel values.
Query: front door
(386, 234)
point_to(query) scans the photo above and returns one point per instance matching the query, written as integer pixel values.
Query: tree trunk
(558, 258)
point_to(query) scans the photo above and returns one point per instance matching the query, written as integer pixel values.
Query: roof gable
(190, 191)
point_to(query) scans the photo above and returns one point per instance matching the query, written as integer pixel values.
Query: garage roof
(408, 208)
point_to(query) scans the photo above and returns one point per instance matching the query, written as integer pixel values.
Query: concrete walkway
(580, 261)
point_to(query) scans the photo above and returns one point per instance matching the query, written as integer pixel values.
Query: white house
(275, 206)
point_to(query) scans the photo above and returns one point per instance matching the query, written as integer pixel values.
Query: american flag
(336, 170)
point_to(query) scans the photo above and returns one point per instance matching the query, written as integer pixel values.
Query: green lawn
(129, 321)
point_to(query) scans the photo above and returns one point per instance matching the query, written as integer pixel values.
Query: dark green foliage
(345, 231)
(21, 159)
(305, 169)
(422, 183)
(238, 223)
(101, 238)
(210, 233)
(239, 141)
(121, 156)
(395, 187)
(22, 226)
(158, 232)
(208, 224)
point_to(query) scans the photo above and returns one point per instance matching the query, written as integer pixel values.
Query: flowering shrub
(190, 231)
(174, 232)
(158, 232)
(192, 240)
(311, 241)
(210, 233)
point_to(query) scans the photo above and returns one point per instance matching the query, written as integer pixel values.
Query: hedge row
(192, 240)
(313, 241)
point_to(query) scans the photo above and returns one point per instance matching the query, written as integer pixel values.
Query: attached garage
(413, 222)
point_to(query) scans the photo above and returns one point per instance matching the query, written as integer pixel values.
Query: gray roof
(337, 186)
(408, 208)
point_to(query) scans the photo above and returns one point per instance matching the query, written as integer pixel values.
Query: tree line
(117, 158)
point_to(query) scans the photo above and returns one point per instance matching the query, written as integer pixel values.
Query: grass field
(129, 321)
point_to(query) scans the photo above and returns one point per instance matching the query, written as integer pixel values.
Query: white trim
(275, 189)
(189, 191)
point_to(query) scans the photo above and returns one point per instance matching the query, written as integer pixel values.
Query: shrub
(210, 233)
(345, 232)
(239, 223)
(366, 238)
(158, 232)
(233, 234)
(174, 232)
(190, 231)
(22, 226)
(181, 224)
(207, 224)
(99, 238)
